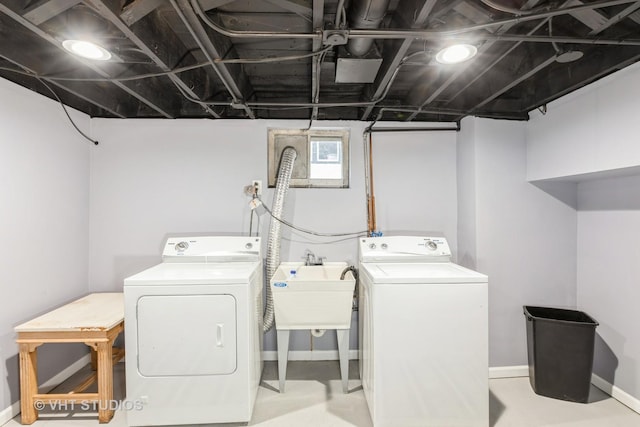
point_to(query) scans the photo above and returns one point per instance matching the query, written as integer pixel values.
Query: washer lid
(195, 274)
(431, 272)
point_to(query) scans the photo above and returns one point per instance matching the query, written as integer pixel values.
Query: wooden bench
(95, 320)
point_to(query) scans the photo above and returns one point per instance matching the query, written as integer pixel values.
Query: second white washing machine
(423, 335)
(193, 333)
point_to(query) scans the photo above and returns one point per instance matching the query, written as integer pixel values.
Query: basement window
(322, 159)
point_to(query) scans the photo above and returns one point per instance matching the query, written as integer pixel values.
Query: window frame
(302, 141)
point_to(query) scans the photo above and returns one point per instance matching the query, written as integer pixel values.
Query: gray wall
(591, 130)
(44, 212)
(155, 178)
(525, 239)
(589, 139)
(466, 192)
(609, 275)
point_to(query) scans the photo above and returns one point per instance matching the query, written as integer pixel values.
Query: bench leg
(94, 359)
(28, 382)
(105, 381)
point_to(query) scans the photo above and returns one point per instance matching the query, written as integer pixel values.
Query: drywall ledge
(592, 176)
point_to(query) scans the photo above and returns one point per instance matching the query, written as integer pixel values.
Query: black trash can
(560, 348)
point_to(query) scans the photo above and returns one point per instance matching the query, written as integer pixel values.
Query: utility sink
(313, 298)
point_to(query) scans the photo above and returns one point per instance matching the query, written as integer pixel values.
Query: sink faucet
(310, 258)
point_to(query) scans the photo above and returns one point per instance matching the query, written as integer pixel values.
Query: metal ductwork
(365, 14)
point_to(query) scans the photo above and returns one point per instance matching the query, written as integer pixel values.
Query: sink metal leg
(343, 351)
(283, 355)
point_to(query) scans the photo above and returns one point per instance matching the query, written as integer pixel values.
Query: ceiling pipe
(365, 14)
(429, 34)
(507, 9)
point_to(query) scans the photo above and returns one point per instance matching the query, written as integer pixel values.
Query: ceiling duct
(365, 14)
(360, 61)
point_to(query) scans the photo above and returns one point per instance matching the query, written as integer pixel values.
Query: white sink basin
(315, 298)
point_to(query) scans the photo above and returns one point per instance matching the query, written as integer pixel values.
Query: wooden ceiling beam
(165, 55)
(142, 93)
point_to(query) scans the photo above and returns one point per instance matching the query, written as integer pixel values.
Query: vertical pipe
(371, 199)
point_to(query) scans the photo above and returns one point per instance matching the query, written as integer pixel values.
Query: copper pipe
(372, 198)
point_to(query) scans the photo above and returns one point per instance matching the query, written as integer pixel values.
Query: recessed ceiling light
(568, 56)
(456, 53)
(86, 49)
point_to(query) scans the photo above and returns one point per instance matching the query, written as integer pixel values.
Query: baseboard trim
(617, 393)
(309, 355)
(508, 371)
(12, 411)
(9, 413)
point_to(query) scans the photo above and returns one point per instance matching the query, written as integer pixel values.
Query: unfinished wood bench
(95, 320)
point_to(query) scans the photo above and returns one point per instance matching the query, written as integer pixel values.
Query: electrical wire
(179, 69)
(555, 46)
(272, 59)
(303, 230)
(251, 223)
(64, 108)
(340, 15)
(113, 79)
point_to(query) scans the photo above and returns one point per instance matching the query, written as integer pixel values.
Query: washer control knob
(372, 246)
(432, 245)
(248, 245)
(182, 246)
(384, 246)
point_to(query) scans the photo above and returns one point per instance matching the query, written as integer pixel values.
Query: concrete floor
(314, 398)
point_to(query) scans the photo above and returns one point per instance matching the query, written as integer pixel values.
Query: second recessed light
(456, 53)
(86, 49)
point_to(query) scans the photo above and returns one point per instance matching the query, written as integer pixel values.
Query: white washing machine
(193, 333)
(423, 335)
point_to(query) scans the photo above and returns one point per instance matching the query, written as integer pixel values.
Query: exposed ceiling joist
(213, 4)
(138, 9)
(162, 56)
(300, 8)
(397, 50)
(258, 59)
(418, 97)
(540, 63)
(144, 94)
(555, 84)
(591, 18)
(108, 102)
(629, 10)
(231, 75)
(47, 10)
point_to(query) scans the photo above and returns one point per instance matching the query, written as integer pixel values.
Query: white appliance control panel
(404, 249)
(211, 249)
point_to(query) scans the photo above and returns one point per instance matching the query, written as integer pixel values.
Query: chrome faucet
(310, 258)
